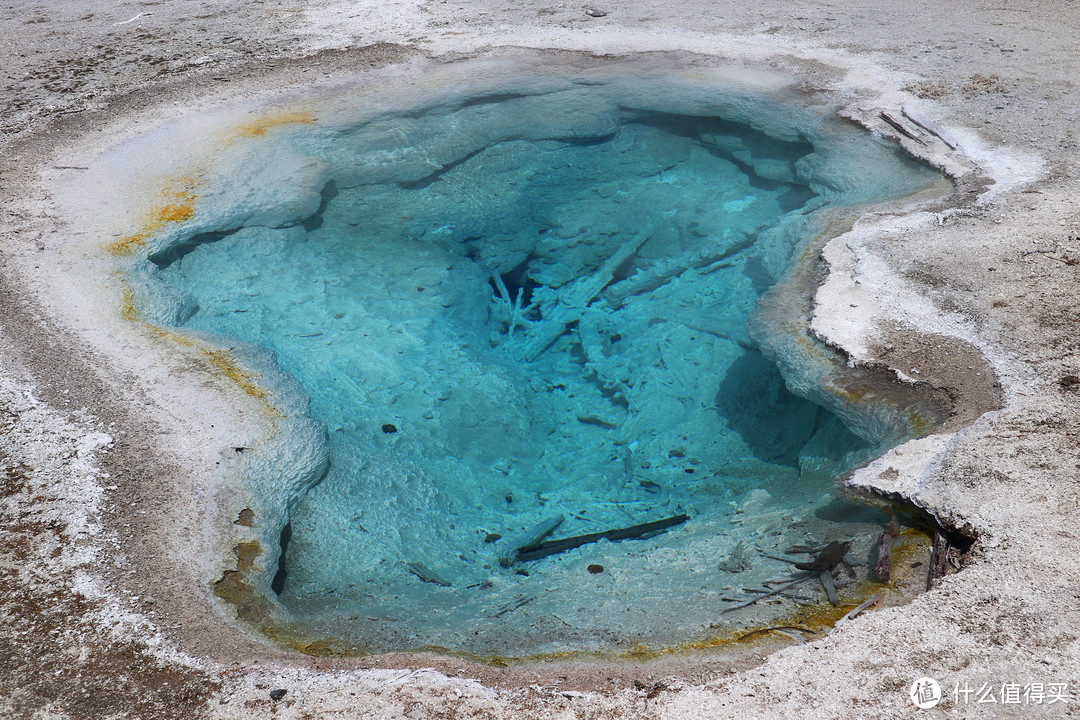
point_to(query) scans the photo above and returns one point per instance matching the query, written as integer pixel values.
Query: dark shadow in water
(172, 254)
(843, 511)
(795, 197)
(760, 277)
(773, 422)
(329, 192)
(278, 583)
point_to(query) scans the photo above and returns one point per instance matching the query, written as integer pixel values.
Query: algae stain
(262, 125)
(227, 366)
(183, 209)
(129, 310)
(245, 518)
(220, 360)
(252, 605)
(177, 205)
(246, 553)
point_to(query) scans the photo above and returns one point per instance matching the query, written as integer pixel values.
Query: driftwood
(806, 548)
(736, 561)
(830, 587)
(828, 558)
(577, 297)
(531, 537)
(901, 127)
(831, 556)
(790, 594)
(422, 571)
(931, 128)
(939, 558)
(666, 270)
(856, 611)
(775, 591)
(552, 547)
(513, 605)
(883, 569)
(514, 308)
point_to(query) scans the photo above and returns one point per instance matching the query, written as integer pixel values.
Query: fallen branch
(665, 271)
(513, 605)
(901, 127)
(806, 548)
(856, 611)
(830, 587)
(736, 561)
(552, 547)
(776, 591)
(422, 571)
(577, 297)
(530, 538)
(883, 569)
(831, 556)
(938, 558)
(931, 128)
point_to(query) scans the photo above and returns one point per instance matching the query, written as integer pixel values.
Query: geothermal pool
(520, 309)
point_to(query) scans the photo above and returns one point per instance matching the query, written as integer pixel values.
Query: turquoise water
(518, 308)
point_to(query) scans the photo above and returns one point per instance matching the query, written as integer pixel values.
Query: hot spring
(519, 310)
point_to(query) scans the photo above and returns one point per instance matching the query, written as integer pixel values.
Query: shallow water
(519, 307)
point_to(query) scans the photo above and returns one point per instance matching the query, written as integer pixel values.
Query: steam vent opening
(521, 312)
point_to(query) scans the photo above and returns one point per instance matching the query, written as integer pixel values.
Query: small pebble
(389, 428)
(596, 569)
(276, 695)
(492, 537)
(594, 12)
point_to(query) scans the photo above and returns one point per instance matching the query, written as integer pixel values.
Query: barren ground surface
(94, 624)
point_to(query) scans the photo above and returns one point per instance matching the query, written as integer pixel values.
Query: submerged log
(552, 547)
(775, 591)
(514, 604)
(426, 574)
(827, 559)
(667, 270)
(533, 536)
(830, 586)
(576, 296)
